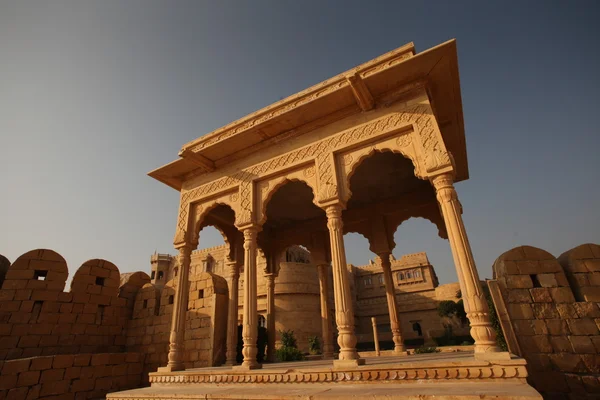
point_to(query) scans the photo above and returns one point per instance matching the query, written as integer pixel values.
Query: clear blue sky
(94, 94)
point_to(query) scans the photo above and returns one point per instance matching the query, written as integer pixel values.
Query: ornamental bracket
(199, 160)
(361, 92)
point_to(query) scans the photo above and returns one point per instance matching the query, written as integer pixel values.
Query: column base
(171, 368)
(341, 364)
(246, 367)
(492, 356)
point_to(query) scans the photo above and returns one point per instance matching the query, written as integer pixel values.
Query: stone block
(567, 311)
(594, 279)
(13, 367)
(582, 344)
(568, 362)
(28, 378)
(82, 360)
(592, 362)
(8, 382)
(545, 311)
(523, 327)
(63, 361)
(29, 341)
(561, 344)
(583, 326)
(19, 274)
(18, 393)
(34, 392)
(557, 327)
(596, 342)
(562, 295)
(536, 344)
(592, 265)
(518, 282)
(591, 293)
(44, 295)
(587, 310)
(575, 384)
(60, 387)
(550, 381)
(52, 375)
(540, 295)
(519, 296)
(100, 359)
(539, 327)
(528, 267)
(547, 280)
(591, 383)
(82, 385)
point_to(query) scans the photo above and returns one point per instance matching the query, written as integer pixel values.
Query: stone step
(333, 391)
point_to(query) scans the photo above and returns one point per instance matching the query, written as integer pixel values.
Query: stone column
(270, 317)
(390, 295)
(250, 324)
(344, 312)
(375, 336)
(180, 305)
(325, 323)
(474, 299)
(232, 314)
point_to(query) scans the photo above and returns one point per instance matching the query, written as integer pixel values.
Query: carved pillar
(475, 303)
(232, 314)
(390, 295)
(180, 304)
(270, 317)
(375, 336)
(344, 312)
(325, 323)
(250, 325)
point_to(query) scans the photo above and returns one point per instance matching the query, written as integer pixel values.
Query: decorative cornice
(266, 114)
(470, 372)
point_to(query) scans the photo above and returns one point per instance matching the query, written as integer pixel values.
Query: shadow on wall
(550, 315)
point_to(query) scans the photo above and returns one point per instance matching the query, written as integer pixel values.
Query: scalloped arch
(439, 225)
(199, 224)
(276, 185)
(379, 148)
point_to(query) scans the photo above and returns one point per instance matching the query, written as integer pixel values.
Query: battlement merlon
(398, 71)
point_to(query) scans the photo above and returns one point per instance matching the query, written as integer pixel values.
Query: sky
(95, 94)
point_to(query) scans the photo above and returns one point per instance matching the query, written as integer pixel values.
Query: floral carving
(404, 140)
(420, 115)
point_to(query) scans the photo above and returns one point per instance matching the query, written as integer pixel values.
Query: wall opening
(146, 303)
(100, 314)
(201, 293)
(171, 299)
(535, 280)
(40, 275)
(99, 281)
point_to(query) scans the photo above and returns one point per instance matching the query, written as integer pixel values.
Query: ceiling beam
(199, 160)
(363, 96)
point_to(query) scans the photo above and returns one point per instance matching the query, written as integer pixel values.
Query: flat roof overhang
(353, 91)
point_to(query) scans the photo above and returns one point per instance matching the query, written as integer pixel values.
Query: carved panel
(429, 144)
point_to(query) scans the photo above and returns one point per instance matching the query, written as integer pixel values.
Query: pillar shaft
(180, 304)
(232, 313)
(270, 317)
(325, 323)
(390, 295)
(473, 297)
(375, 336)
(250, 324)
(344, 313)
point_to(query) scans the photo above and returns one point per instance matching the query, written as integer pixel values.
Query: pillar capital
(232, 269)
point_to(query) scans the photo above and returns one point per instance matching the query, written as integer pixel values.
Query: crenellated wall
(545, 323)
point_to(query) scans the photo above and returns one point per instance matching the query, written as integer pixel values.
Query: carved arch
(266, 189)
(350, 161)
(439, 223)
(228, 233)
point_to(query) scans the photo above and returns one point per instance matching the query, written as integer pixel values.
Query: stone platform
(439, 376)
